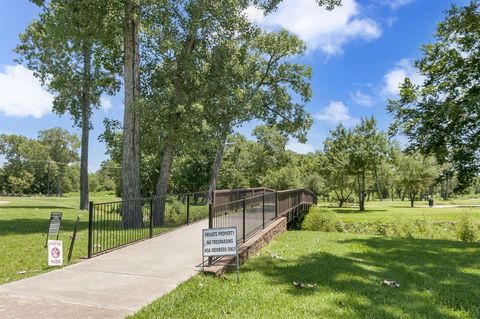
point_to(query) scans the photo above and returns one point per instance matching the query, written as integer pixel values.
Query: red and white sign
(55, 253)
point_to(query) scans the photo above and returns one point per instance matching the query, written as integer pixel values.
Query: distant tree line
(46, 165)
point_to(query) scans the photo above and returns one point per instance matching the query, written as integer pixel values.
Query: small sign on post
(54, 226)
(219, 242)
(55, 253)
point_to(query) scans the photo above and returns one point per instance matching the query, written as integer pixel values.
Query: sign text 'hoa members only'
(220, 242)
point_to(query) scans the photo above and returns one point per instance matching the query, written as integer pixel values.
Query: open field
(23, 227)
(389, 210)
(438, 279)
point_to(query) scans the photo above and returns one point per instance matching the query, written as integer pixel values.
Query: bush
(467, 230)
(323, 220)
(381, 229)
(175, 212)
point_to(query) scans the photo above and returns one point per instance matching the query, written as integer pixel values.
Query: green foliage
(323, 220)
(467, 230)
(32, 166)
(56, 45)
(440, 116)
(417, 173)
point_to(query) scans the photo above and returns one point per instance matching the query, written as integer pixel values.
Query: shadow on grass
(21, 226)
(433, 274)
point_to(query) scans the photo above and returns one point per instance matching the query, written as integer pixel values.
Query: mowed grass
(438, 279)
(391, 210)
(23, 227)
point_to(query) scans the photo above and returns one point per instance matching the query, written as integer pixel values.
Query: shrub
(323, 220)
(381, 229)
(467, 230)
(340, 226)
(175, 212)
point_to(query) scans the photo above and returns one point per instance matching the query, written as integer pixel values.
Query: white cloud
(336, 112)
(361, 98)
(300, 148)
(21, 93)
(395, 4)
(321, 29)
(105, 103)
(391, 21)
(396, 76)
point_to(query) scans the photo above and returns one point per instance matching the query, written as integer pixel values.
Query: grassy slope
(388, 210)
(438, 278)
(23, 227)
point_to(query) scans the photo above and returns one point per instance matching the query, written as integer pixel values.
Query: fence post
(210, 216)
(210, 225)
(90, 230)
(276, 204)
(243, 204)
(263, 211)
(151, 217)
(188, 209)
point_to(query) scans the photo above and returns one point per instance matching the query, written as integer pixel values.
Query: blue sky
(359, 53)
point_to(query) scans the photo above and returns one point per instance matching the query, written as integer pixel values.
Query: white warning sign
(55, 253)
(220, 242)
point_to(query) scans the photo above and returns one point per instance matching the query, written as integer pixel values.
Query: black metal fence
(249, 215)
(115, 224)
(119, 223)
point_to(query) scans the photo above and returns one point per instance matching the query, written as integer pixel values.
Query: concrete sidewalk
(113, 285)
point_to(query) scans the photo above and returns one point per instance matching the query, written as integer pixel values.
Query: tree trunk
(84, 157)
(212, 186)
(412, 198)
(446, 187)
(362, 193)
(378, 187)
(162, 184)
(131, 213)
(85, 108)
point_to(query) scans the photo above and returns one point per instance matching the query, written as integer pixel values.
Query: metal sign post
(220, 242)
(72, 242)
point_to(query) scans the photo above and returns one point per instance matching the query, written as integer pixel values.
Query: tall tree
(264, 82)
(131, 188)
(416, 174)
(441, 116)
(367, 148)
(67, 48)
(336, 170)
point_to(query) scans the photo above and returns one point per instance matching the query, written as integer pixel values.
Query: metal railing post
(263, 210)
(90, 230)
(151, 217)
(188, 209)
(210, 216)
(243, 202)
(276, 204)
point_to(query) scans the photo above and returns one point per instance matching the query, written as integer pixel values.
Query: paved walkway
(113, 285)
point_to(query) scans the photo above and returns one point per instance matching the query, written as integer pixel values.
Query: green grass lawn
(389, 210)
(438, 279)
(23, 227)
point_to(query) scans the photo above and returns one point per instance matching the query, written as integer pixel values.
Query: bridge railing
(119, 223)
(115, 224)
(223, 196)
(250, 215)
